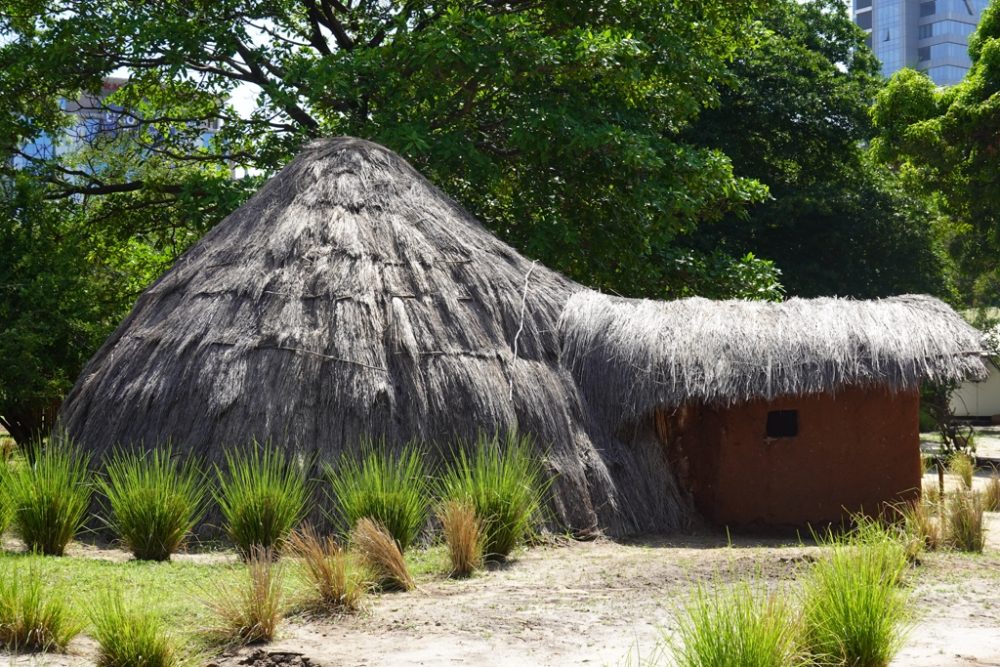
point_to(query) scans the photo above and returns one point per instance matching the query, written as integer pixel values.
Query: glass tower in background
(928, 35)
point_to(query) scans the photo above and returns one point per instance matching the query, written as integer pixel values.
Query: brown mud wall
(854, 451)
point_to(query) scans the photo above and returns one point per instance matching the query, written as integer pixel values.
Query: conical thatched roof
(629, 356)
(351, 298)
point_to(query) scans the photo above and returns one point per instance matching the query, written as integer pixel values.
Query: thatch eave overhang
(630, 356)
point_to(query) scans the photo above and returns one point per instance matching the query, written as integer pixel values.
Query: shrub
(129, 637)
(505, 483)
(386, 487)
(381, 555)
(337, 582)
(49, 495)
(155, 501)
(965, 522)
(463, 536)
(743, 624)
(854, 610)
(962, 466)
(262, 497)
(991, 494)
(31, 618)
(250, 612)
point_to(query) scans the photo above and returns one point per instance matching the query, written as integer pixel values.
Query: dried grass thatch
(351, 299)
(629, 356)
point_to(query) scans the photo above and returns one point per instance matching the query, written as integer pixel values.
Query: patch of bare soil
(584, 603)
(594, 603)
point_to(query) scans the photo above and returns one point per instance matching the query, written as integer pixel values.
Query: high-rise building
(928, 35)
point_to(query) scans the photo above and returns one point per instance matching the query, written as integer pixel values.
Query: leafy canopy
(557, 123)
(794, 114)
(945, 143)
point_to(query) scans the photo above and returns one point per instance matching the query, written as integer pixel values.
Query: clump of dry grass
(338, 583)
(463, 535)
(931, 494)
(250, 613)
(380, 553)
(964, 520)
(991, 494)
(962, 466)
(922, 526)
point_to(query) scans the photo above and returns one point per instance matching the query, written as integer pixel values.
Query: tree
(794, 114)
(557, 123)
(946, 144)
(70, 268)
(51, 323)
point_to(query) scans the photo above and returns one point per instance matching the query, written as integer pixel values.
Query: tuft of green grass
(336, 582)
(32, 618)
(249, 613)
(854, 608)
(964, 519)
(743, 624)
(262, 496)
(962, 466)
(49, 493)
(129, 636)
(155, 501)
(505, 482)
(991, 494)
(463, 536)
(381, 556)
(389, 488)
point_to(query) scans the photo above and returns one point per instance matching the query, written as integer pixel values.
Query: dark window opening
(928, 8)
(864, 20)
(782, 423)
(924, 53)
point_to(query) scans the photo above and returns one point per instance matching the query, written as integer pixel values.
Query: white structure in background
(981, 399)
(91, 116)
(978, 399)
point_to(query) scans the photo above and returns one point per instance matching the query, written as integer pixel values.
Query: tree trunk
(29, 423)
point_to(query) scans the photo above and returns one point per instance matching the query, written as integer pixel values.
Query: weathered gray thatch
(630, 356)
(351, 298)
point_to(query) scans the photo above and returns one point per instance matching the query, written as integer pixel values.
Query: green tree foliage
(71, 267)
(794, 114)
(51, 321)
(557, 123)
(946, 143)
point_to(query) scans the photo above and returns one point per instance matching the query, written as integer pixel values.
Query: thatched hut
(352, 299)
(771, 413)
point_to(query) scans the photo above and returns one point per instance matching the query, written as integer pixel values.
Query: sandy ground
(595, 603)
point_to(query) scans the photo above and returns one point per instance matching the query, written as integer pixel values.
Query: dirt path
(594, 603)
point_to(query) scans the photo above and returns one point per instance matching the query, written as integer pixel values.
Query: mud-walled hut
(771, 413)
(350, 299)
